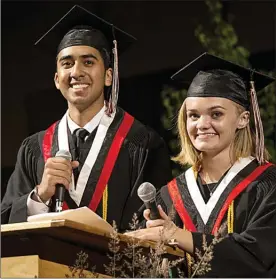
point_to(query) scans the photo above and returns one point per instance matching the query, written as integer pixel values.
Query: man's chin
(78, 104)
(78, 100)
(82, 103)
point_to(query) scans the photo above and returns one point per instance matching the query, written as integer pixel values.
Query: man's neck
(82, 117)
(214, 166)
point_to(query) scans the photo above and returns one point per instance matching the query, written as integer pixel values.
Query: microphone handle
(60, 190)
(154, 213)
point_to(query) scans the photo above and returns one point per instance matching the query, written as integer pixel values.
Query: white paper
(81, 215)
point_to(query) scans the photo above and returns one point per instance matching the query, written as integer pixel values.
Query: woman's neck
(82, 117)
(213, 167)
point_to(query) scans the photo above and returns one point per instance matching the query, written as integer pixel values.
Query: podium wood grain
(49, 247)
(34, 267)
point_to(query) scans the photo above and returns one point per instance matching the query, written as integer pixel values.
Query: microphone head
(146, 192)
(64, 154)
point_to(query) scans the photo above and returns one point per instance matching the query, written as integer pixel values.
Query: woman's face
(212, 123)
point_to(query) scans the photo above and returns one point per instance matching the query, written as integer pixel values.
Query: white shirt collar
(90, 126)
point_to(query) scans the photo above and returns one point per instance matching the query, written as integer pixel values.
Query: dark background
(166, 41)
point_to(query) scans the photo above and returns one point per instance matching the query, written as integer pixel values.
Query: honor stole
(109, 163)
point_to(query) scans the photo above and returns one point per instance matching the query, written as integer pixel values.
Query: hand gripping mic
(147, 193)
(60, 189)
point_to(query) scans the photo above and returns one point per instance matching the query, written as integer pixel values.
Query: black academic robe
(143, 157)
(250, 251)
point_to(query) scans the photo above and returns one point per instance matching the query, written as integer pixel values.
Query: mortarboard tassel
(258, 125)
(113, 99)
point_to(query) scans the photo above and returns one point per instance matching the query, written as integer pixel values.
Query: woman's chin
(207, 148)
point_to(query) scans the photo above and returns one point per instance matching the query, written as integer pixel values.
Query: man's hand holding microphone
(57, 176)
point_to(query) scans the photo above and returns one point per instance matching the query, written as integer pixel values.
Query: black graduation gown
(143, 157)
(250, 251)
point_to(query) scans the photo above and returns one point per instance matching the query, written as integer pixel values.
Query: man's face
(81, 76)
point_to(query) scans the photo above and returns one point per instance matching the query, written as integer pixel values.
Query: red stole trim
(182, 212)
(47, 141)
(109, 161)
(179, 206)
(47, 147)
(236, 191)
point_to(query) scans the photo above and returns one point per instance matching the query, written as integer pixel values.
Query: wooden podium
(47, 249)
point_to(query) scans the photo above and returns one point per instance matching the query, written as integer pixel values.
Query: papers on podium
(81, 215)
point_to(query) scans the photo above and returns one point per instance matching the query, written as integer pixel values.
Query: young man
(112, 153)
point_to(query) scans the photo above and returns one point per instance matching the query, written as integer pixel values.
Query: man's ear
(243, 120)
(108, 77)
(56, 80)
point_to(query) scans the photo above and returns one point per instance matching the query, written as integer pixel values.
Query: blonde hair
(243, 145)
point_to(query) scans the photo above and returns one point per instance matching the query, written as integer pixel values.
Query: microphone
(147, 192)
(60, 189)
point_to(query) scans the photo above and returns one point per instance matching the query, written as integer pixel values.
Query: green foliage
(219, 38)
(172, 101)
(267, 103)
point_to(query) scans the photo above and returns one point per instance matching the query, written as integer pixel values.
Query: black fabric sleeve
(251, 253)
(158, 166)
(150, 163)
(21, 182)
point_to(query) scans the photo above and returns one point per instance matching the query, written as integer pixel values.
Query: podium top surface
(71, 231)
(42, 225)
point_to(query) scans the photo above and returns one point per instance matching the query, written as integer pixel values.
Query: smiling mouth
(206, 135)
(79, 86)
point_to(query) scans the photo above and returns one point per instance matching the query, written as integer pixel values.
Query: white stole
(76, 193)
(205, 209)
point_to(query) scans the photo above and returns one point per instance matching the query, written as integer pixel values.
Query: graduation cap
(103, 32)
(207, 62)
(81, 27)
(212, 76)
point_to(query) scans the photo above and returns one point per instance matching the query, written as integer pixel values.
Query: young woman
(230, 180)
